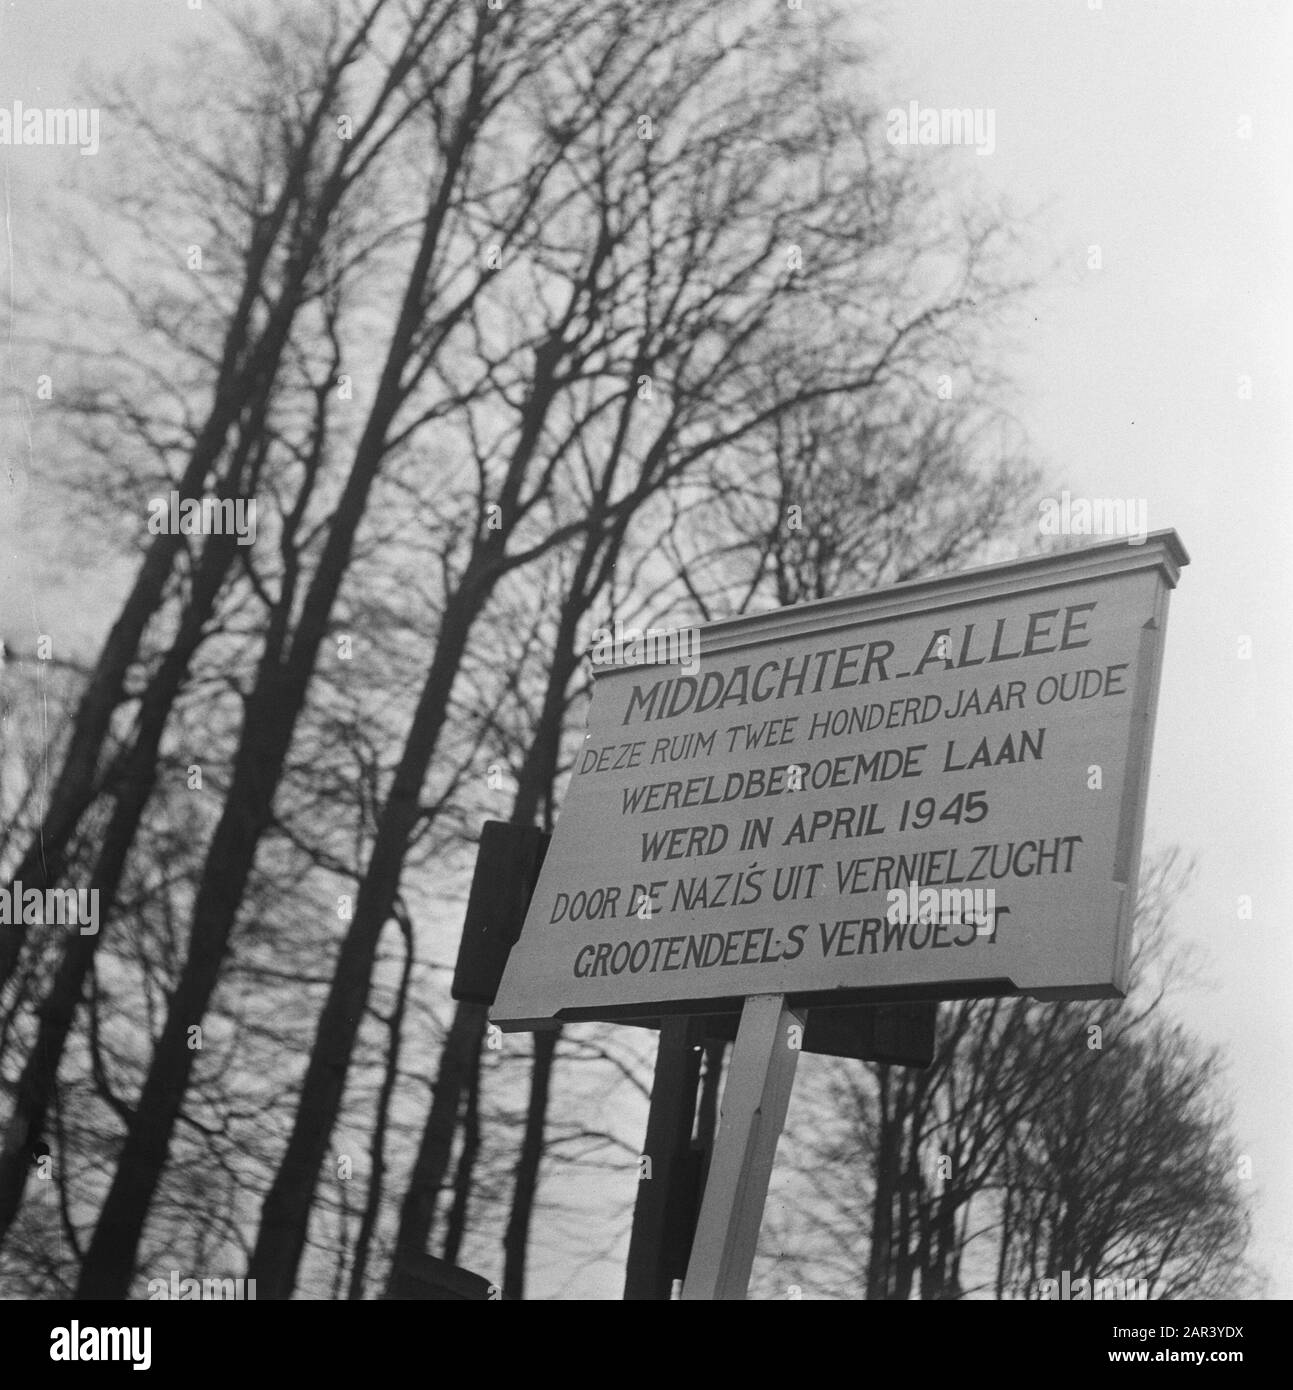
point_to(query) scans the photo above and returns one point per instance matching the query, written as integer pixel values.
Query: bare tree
(1087, 1138)
(629, 310)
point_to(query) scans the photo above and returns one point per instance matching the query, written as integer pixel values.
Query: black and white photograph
(644, 655)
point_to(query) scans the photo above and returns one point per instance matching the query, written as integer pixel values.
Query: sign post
(933, 791)
(759, 1079)
(661, 1221)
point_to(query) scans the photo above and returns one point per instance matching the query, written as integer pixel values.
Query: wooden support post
(663, 1213)
(755, 1100)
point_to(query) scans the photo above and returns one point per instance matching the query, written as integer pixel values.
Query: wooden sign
(930, 791)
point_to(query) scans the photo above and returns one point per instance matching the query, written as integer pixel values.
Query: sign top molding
(1159, 550)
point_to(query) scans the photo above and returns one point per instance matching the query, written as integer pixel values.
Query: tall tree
(474, 62)
(296, 195)
(308, 229)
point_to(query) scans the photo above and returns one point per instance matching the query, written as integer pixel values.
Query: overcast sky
(1124, 123)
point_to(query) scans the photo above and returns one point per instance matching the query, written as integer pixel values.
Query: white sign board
(932, 790)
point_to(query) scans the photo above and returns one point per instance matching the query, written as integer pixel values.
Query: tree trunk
(381, 1121)
(460, 1059)
(245, 367)
(526, 1182)
(285, 1215)
(138, 778)
(886, 1173)
(417, 1212)
(272, 712)
(464, 1173)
